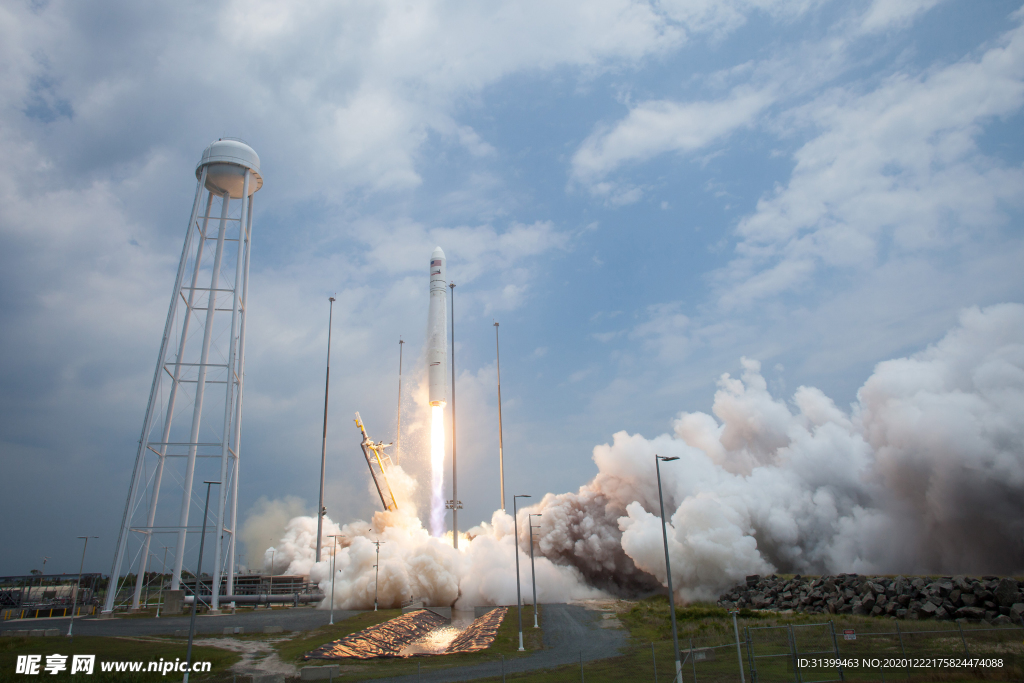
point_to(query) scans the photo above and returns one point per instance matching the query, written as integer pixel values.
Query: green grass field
(708, 628)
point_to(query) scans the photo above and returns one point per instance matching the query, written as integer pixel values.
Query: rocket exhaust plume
(437, 364)
(437, 470)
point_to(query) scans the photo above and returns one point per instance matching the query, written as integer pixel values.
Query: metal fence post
(502, 668)
(654, 661)
(835, 646)
(739, 652)
(750, 656)
(693, 661)
(792, 651)
(961, 629)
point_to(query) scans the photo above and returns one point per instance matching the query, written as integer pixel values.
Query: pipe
(262, 598)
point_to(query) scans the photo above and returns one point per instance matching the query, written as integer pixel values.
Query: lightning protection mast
(194, 413)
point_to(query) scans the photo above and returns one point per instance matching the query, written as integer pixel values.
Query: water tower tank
(226, 161)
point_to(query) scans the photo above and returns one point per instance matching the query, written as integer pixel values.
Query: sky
(642, 194)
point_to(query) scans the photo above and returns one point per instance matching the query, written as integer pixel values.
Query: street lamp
(333, 572)
(78, 583)
(199, 573)
(376, 574)
(519, 600)
(323, 451)
(533, 569)
(658, 459)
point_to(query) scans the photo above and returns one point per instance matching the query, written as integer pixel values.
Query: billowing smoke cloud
(924, 474)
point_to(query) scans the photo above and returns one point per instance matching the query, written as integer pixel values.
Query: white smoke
(924, 474)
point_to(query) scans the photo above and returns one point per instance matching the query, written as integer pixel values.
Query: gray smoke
(924, 474)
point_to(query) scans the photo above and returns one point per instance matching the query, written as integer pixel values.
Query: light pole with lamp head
(519, 600)
(199, 573)
(658, 459)
(533, 570)
(333, 572)
(78, 583)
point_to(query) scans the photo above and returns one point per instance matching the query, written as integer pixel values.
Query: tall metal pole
(533, 570)
(74, 603)
(455, 486)
(376, 575)
(739, 652)
(668, 567)
(334, 564)
(501, 440)
(519, 599)
(199, 573)
(323, 451)
(398, 429)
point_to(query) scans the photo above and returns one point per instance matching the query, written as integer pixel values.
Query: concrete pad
(316, 673)
(233, 630)
(37, 632)
(271, 629)
(53, 632)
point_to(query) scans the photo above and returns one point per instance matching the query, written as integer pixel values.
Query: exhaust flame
(437, 470)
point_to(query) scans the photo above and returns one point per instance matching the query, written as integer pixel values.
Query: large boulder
(1007, 593)
(970, 613)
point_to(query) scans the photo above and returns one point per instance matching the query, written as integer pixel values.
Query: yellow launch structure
(383, 461)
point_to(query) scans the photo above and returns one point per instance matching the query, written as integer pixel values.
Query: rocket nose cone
(437, 253)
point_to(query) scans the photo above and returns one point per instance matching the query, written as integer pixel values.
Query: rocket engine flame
(437, 470)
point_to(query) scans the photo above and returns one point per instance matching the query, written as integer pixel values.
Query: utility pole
(454, 504)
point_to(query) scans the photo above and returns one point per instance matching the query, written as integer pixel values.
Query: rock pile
(996, 600)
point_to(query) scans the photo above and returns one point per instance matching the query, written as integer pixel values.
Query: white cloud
(885, 14)
(655, 127)
(899, 162)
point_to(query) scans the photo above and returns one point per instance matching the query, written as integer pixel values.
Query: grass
(112, 649)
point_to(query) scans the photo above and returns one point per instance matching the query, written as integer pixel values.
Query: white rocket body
(437, 331)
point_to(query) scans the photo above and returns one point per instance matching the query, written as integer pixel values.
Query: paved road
(297, 619)
(570, 631)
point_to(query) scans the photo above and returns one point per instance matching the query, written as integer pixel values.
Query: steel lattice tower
(194, 414)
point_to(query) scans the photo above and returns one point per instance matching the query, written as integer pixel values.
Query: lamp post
(323, 451)
(78, 583)
(454, 504)
(334, 564)
(658, 459)
(501, 440)
(199, 573)
(519, 600)
(533, 570)
(42, 573)
(376, 574)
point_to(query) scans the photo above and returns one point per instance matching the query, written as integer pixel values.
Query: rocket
(437, 331)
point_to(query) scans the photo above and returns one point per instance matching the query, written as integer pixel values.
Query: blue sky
(641, 193)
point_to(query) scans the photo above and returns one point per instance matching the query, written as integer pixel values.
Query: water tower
(189, 435)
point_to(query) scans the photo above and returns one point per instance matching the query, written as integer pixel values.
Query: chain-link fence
(804, 653)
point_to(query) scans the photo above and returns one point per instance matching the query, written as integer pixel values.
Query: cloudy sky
(641, 193)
